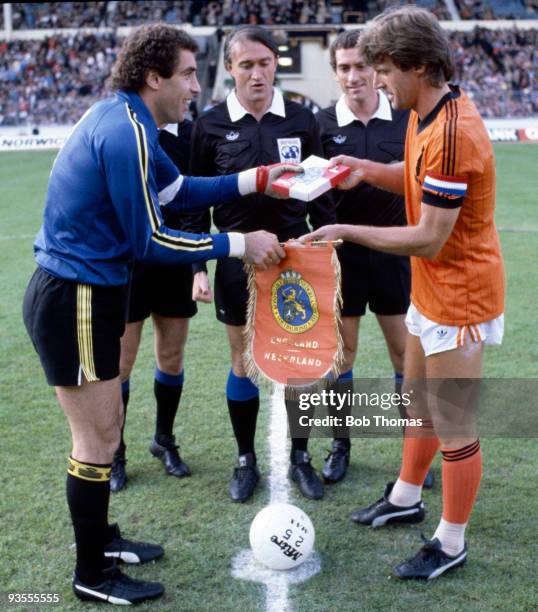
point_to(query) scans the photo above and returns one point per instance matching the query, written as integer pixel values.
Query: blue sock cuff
(170, 380)
(125, 385)
(346, 375)
(398, 377)
(240, 388)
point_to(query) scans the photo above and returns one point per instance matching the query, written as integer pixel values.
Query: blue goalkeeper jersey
(103, 201)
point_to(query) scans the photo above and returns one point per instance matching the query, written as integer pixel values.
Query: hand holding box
(316, 179)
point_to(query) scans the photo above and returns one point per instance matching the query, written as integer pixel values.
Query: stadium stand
(498, 68)
(54, 79)
(31, 15)
(498, 9)
(37, 15)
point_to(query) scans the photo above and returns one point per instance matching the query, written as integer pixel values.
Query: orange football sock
(462, 472)
(419, 448)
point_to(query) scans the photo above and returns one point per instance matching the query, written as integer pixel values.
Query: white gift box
(316, 179)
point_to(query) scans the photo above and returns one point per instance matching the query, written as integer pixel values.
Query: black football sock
(243, 405)
(125, 389)
(342, 408)
(244, 415)
(88, 493)
(167, 389)
(299, 432)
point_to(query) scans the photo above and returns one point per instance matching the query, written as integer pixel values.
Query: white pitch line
(278, 449)
(276, 594)
(244, 565)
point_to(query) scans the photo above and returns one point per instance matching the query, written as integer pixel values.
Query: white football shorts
(436, 338)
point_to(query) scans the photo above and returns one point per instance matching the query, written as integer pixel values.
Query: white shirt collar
(173, 128)
(344, 115)
(236, 110)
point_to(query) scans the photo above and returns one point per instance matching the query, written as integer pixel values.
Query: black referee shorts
(75, 328)
(163, 290)
(231, 293)
(370, 278)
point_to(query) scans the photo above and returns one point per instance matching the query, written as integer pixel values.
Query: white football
(281, 536)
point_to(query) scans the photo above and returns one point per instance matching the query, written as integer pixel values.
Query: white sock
(405, 494)
(451, 536)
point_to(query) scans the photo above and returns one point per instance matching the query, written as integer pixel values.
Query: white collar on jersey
(236, 110)
(345, 116)
(173, 128)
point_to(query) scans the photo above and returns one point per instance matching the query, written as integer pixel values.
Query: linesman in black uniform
(363, 124)
(254, 125)
(164, 293)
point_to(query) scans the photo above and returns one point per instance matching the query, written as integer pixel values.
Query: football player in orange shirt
(457, 280)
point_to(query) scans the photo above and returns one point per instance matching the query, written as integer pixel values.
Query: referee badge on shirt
(289, 150)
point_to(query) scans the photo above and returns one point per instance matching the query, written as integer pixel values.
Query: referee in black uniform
(165, 294)
(363, 124)
(254, 125)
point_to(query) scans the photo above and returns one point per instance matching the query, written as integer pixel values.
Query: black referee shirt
(222, 146)
(175, 139)
(380, 140)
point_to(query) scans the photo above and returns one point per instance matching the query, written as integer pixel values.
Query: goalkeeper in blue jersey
(102, 211)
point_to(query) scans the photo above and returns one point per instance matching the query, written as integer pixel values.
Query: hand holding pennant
(293, 316)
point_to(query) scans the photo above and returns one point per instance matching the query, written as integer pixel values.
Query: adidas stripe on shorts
(75, 328)
(436, 338)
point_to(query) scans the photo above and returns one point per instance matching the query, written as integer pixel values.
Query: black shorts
(231, 293)
(75, 328)
(380, 280)
(163, 290)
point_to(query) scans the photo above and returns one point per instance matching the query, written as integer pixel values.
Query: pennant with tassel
(293, 320)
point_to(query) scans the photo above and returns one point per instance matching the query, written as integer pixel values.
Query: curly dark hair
(152, 47)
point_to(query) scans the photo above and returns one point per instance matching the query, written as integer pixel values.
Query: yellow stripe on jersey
(88, 472)
(171, 242)
(84, 332)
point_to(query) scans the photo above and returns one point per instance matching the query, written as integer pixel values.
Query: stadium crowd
(499, 70)
(31, 15)
(55, 80)
(497, 9)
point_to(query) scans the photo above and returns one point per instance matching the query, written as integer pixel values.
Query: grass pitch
(201, 529)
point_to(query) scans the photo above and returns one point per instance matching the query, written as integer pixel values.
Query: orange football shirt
(449, 162)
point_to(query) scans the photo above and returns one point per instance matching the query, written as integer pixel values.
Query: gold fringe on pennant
(263, 383)
(248, 359)
(338, 301)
